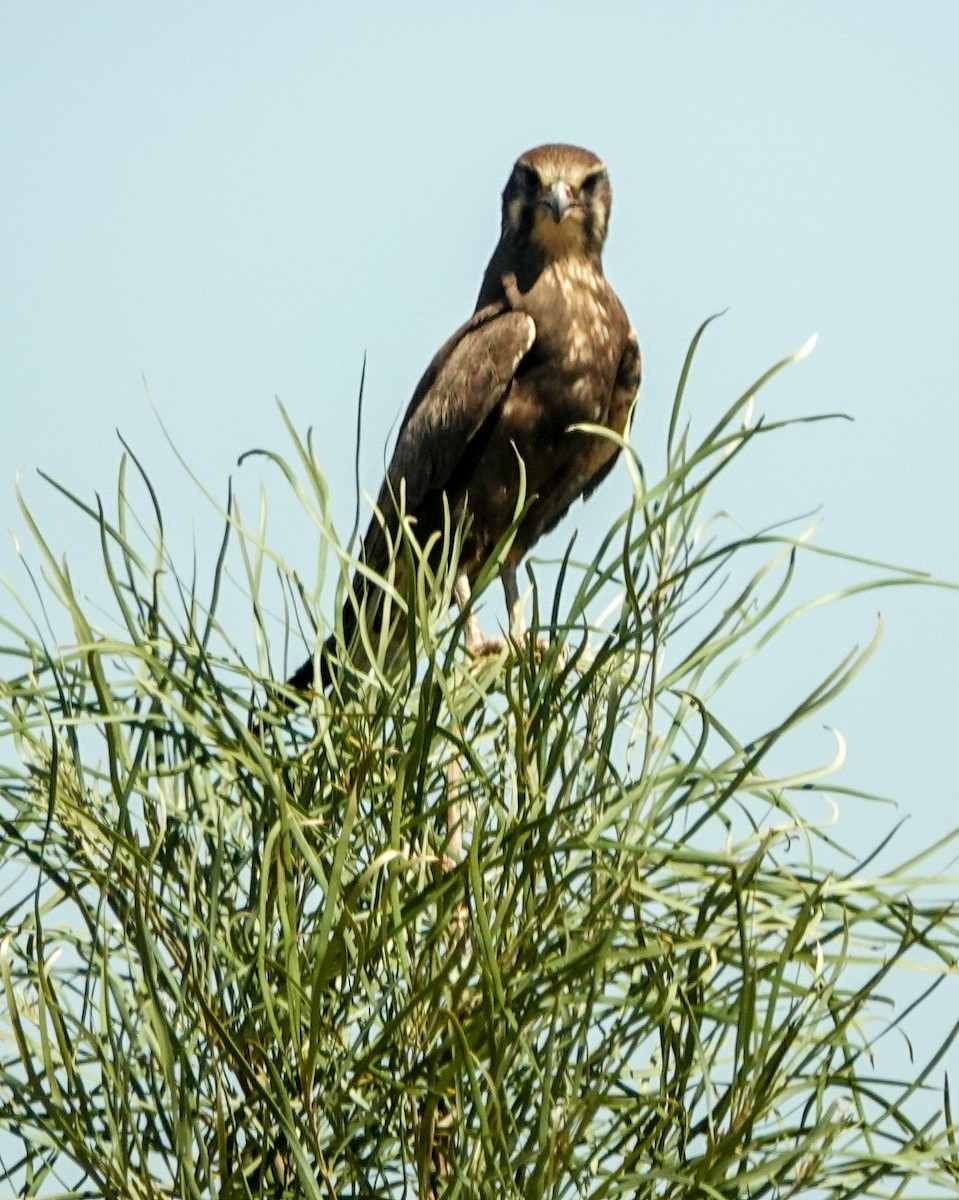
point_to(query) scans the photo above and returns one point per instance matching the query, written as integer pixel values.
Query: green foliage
(536, 925)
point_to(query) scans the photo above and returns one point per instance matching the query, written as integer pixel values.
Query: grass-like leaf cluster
(537, 926)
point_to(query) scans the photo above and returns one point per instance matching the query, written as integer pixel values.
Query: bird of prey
(548, 347)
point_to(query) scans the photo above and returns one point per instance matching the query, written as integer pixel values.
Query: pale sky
(227, 202)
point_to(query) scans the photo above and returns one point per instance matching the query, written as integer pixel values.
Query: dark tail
(304, 677)
(331, 658)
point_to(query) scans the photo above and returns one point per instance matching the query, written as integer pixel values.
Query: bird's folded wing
(466, 381)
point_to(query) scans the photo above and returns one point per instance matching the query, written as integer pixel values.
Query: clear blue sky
(237, 201)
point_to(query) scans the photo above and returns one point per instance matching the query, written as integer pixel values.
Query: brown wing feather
(463, 384)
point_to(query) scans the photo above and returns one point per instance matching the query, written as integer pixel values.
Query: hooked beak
(558, 201)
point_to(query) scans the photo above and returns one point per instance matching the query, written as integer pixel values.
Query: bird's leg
(517, 617)
(476, 644)
(474, 633)
(514, 605)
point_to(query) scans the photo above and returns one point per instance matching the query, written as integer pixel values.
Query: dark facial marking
(531, 180)
(590, 183)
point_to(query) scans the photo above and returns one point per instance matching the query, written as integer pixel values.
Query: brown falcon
(549, 346)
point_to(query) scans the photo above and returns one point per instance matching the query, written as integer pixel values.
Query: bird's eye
(531, 183)
(590, 182)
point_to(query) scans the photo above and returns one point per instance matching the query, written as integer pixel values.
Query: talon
(490, 647)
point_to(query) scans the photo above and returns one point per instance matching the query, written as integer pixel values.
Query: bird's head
(558, 198)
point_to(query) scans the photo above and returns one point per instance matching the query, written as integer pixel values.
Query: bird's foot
(541, 647)
(514, 644)
(489, 647)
